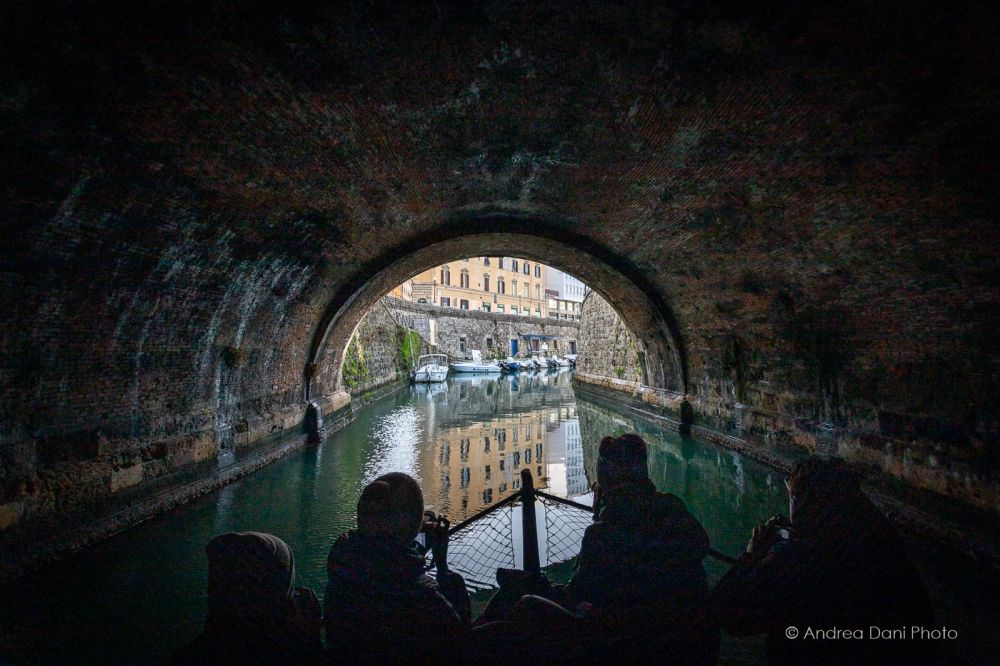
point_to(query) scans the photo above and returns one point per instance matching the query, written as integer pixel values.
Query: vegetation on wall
(410, 344)
(356, 371)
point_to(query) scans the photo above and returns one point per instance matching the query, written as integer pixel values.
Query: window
(461, 341)
(464, 449)
(538, 311)
(500, 286)
(513, 309)
(464, 305)
(513, 287)
(488, 493)
(464, 279)
(552, 304)
(488, 472)
(466, 475)
(513, 264)
(445, 275)
(527, 268)
(538, 270)
(500, 307)
(503, 464)
(527, 290)
(486, 261)
(445, 300)
(538, 291)
(500, 263)
(489, 343)
(486, 306)
(486, 283)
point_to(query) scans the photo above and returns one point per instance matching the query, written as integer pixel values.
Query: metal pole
(529, 527)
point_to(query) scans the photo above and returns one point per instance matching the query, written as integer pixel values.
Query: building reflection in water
(475, 460)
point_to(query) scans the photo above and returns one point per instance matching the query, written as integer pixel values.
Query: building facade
(562, 308)
(503, 285)
(567, 287)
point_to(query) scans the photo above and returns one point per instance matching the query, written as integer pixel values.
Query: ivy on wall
(356, 370)
(410, 344)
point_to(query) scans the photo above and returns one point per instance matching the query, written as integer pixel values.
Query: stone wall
(488, 332)
(607, 346)
(809, 195)
(380, 352)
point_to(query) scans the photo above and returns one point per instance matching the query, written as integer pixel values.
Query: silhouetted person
(381, 606)
(640, 585)
(255, 614)
(842, 565)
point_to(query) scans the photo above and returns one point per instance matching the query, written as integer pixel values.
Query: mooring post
(529, 526)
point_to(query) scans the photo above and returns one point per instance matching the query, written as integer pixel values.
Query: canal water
(140, 595)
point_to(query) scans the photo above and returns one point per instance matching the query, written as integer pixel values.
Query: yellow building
(403, 291)
(492, 284)
(480, 464)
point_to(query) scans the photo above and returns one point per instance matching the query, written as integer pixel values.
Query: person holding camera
(256, 615)
(836, 562)
(380, 605)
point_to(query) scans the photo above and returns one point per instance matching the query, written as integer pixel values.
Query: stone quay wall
(608, 348)
(380, 352)
(488, 332)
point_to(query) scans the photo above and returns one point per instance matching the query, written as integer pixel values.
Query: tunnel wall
(607, 347)
(806, 197)
(726, 400)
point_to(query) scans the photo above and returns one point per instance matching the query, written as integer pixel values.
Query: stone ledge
(458, 313)
(52, 541)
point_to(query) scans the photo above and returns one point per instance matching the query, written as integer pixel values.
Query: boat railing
(530, 530)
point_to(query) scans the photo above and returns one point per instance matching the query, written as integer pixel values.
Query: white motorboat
(477, 364)
(431, 368)
(561, 362)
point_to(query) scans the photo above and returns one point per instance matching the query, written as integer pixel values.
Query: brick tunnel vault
(499, 231)
(795, 211)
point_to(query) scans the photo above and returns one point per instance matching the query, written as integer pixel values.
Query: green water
(138, 596)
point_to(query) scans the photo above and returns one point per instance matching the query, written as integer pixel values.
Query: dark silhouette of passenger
(255, 614)
(639, 586)
(381, 606)
(838, 563)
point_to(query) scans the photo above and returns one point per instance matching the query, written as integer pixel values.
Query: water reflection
(465, 441)
(727, 493)
(480, 432)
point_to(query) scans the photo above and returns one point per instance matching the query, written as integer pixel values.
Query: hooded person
(640, 566)
(639, 585)
(836, 562)
(381, 606)
(256, 615)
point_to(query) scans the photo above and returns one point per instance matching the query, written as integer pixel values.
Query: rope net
(495, 540)
(564, 528)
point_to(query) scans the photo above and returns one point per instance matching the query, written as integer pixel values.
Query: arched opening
(538, 239)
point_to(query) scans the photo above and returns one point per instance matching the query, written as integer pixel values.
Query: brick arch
(497, 231)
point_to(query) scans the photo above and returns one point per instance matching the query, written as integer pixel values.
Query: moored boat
(476, 365)
(431, 368)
